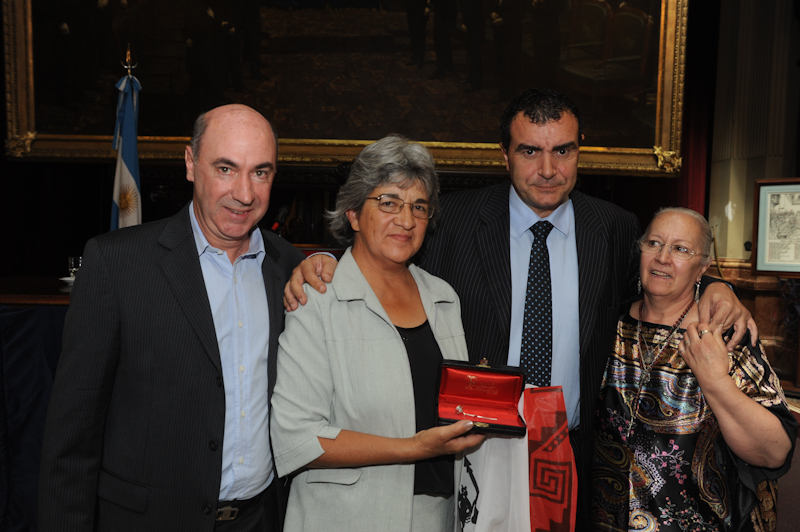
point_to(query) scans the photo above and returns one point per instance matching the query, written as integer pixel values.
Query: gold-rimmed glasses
(676, 250)
(393, 205)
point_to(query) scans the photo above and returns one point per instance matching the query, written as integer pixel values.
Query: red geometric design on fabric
(553, 479)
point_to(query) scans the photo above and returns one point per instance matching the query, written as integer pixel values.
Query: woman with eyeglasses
(354, 406)
(689, 436)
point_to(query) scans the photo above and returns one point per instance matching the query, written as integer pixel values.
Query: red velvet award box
(487, 396)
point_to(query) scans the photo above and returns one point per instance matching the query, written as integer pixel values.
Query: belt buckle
(228, 513)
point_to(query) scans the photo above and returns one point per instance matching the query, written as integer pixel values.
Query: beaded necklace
(648, 358)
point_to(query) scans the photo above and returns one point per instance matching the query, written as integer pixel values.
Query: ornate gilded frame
(663, 159)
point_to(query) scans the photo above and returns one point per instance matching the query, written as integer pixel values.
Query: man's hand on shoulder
(720, 306)
(316, 270)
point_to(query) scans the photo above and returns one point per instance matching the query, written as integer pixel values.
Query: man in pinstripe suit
(482, 246)
(159, 413)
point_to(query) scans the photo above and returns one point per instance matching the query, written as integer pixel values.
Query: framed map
(776, 228)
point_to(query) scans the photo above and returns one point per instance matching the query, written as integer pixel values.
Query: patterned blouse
(671, 469)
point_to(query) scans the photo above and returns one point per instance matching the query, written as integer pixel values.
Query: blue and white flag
(126, 208)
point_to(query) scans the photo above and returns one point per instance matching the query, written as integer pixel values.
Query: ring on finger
(701, 333)
(687, 342)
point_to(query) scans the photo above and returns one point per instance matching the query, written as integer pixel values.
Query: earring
(639, 290)
(697, 292)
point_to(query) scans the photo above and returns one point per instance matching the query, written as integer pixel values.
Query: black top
(433, 476)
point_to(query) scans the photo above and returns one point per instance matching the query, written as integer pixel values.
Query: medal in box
(487, 396)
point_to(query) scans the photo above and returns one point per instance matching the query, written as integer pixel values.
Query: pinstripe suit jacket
(469, 248)
(133, 437)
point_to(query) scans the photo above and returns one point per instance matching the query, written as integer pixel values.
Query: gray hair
(392, 160)
(706, 236)
(200, 125)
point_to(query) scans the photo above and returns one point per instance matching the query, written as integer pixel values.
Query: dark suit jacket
(469, 248)
(133, 438)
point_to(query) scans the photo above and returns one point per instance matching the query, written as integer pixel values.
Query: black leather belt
(229, 510)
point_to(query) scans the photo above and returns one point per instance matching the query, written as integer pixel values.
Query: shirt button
(242, 413)
(234, 279)
(219, 252)
(241, 459)
(241, 368)
(240, 324)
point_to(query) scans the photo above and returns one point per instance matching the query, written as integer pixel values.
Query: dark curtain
(30, 344)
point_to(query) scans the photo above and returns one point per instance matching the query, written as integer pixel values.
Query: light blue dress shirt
(241, 321)
(564, 288)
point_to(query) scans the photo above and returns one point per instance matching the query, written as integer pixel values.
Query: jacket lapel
(592, 250)
(349, 284)
(181, 268)
(273, 286)
(492, 243)
(431, 294)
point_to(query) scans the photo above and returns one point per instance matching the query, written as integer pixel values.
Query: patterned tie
(536, 354)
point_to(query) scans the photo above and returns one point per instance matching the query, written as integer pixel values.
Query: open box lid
(488, 396)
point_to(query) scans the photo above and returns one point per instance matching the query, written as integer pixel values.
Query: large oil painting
(333, 75)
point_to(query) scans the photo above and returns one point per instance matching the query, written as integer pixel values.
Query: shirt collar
(255, 249)
(523, 217)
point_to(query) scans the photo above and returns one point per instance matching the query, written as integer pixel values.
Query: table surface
(29, 291)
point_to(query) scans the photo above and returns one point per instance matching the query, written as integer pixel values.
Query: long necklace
(648, 357)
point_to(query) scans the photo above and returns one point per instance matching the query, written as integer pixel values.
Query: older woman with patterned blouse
(689, 436)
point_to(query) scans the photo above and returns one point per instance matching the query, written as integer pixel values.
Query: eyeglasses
(679, 252)
(393, 205)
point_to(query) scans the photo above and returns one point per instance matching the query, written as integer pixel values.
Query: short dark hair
(197, 135)
(540, 106)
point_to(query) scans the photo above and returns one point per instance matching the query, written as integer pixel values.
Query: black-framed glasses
(676, 250)
(392, 205)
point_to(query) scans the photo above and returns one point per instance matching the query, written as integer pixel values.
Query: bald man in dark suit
(159, 412)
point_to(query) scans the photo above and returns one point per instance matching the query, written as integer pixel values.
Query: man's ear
(505, 156)
(188, 158)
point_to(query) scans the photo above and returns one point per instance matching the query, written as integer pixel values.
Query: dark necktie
(536, 353)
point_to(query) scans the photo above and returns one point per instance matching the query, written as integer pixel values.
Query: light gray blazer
(343, 365)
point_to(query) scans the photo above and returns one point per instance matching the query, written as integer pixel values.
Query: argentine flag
(126, 208)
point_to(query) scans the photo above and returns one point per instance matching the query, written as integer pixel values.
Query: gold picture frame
(663, 159)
